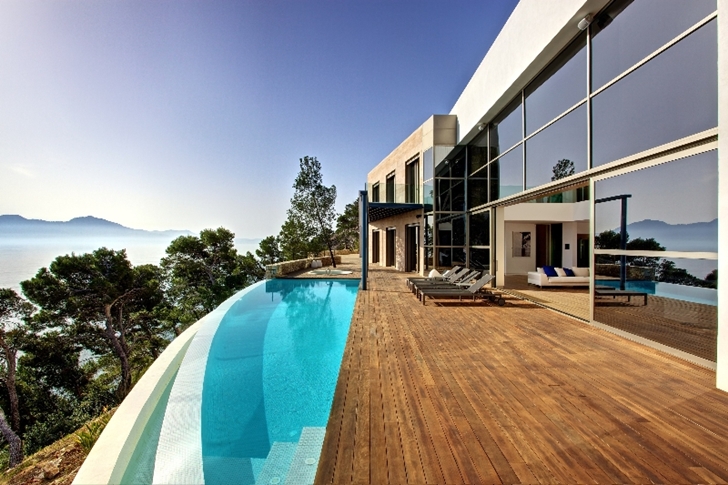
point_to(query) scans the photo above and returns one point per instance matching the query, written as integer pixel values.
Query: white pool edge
(110, 456)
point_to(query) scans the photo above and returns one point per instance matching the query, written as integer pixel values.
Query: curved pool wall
(110, 457)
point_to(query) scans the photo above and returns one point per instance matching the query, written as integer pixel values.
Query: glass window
(458, 231)
(443, 195)
(429, 259)
(558, 151)
(429, 196)
(506, 175)
(375, 193)
(628, 31)
(478, 153)
(669, 301)
(412, 182)
(558, 88)
(428, 164)
(390, 188)
(428, 239)
(480, 259)
(670, 97)
(507, 129)
(444, 257)
(444, 230)
(453, 165)
(457, 191)
(477, 191)
(479, 233)
(458, 257)
(655, 211)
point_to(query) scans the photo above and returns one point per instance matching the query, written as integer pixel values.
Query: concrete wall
(535, 33)
(722, 364)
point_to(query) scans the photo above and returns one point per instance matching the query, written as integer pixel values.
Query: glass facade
(670, 300)
(670, 97)
(558, 151)
(559, 87)
(641, 76)
(627, 32)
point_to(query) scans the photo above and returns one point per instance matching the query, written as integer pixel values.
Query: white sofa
(539, 278)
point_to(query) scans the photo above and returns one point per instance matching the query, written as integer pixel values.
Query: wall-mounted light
(481, 127)
(584, 23)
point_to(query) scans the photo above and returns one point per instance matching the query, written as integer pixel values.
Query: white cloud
(21, 170)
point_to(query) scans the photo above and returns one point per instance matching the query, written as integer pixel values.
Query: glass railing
(395, 193)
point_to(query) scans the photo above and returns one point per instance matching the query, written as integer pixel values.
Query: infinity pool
(252, 397)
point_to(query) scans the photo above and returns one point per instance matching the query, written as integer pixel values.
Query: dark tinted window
(670, 97)
(506, 175)
(558, 88)
(558, 151)
(480, 229)
(629, 31)
(507, 129)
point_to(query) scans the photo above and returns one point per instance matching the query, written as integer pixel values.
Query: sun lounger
(452, 277)
(473, 291)
(461, 282)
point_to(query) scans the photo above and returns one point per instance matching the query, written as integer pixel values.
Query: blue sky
(193, 114)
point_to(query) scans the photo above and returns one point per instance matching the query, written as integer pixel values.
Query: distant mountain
(698, 236)
(15, 226)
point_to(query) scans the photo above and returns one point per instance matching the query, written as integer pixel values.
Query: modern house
(588, 137)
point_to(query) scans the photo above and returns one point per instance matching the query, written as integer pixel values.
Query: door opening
(411, 244)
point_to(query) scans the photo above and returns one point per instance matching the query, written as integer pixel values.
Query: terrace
(476, 393)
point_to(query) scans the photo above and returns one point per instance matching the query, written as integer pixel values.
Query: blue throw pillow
(569, 272)
(549, 271)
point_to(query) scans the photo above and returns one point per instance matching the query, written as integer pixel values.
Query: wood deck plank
(475, 393)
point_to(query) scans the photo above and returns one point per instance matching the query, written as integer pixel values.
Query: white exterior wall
(722, 361)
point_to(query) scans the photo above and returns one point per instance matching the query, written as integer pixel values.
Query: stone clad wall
(287, 267)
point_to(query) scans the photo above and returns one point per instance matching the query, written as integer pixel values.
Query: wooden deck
(476, 393)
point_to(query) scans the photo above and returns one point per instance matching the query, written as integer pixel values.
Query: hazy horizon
(192, 114)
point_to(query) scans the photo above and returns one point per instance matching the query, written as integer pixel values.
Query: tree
(347, 226)
(13, 311)
(269, 251)
(648, 244)
(296, 240)
(93, 297)
(608, 240)
(16, 450)
(563, 168)
(202, 272)
(312, 204)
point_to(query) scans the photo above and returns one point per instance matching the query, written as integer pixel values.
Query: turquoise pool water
(270, 374)
(705, 296)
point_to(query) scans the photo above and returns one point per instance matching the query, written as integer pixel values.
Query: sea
(20, 259)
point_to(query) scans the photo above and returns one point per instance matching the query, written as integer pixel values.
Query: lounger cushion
(434, 274)
(569, 272)
(549, 271)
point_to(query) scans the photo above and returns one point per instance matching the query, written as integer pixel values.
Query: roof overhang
(382, 210)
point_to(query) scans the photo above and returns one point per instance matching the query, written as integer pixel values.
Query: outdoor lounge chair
(452, 276)
(471, 292)
(460, 282)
